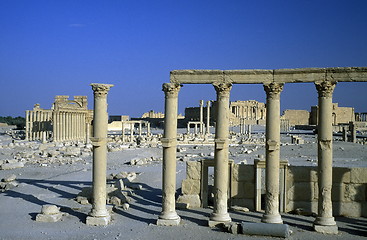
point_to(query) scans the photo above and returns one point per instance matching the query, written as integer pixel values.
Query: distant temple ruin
(67, 120)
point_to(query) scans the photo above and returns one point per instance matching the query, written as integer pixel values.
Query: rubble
(49, 213)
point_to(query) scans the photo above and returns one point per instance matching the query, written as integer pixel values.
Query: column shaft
(221, 173)
(169, 143)
(99, 141)
(272, 153)
(325, 157)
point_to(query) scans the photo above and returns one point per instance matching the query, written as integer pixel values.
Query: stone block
(355, 192)
(98, 221)
(302, 191)
(48, 217)
(193, 201)
(8, 166)
(242, 190)
(242, 173)
(358, 175)
(347, 209)
(326, 229)
(190, 186)
(341, 175)
(301, 174)
(169, 222)
(193, 170)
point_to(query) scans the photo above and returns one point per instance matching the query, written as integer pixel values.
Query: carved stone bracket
(273, 90)
(325, 88)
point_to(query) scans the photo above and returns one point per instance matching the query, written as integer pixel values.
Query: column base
(330, 229)
(325, 221)
(98, 221)
(268, 218)
(168, 219)
(169, 222)
(217, 219)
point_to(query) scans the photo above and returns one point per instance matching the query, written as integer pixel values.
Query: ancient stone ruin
(67, 120)
(273, 81)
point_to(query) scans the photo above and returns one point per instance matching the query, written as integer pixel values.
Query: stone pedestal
(272, 153)
(168, 216)
(221, 175)
(325, 222)
(99, 214)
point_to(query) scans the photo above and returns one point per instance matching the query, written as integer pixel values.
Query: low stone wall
(349, 192)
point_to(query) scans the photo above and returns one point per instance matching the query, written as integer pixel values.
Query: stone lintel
(261, 76)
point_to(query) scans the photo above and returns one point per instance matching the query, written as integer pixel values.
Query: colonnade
(38, 124)
(247, 112)
(69, 125)
(325, 84)
(131, 124)
(201, 123)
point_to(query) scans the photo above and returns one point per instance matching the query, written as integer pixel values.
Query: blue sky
(50, 47)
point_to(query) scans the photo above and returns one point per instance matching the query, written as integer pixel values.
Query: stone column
(208, 117)
(27, 125)
(168, 216)
(122, 131)
(201, 104)
(188, 128)
(99, 214)
(131, 132)
(324, 222)
(221, 174)
(148, 129)
(140, 129)
(272, 152)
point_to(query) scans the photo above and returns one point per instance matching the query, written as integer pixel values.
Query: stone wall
(296, 117)
(348, 192)
(301, 188)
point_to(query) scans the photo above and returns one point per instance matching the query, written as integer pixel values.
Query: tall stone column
(272, 152)
(325, 222)
(208, 117)
(122, 131)
(221, 173)
(99, 214)
(201, 104)
(168, 216)
(27, 125)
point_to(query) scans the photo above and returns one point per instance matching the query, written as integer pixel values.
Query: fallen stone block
(193, 201)
(9, 178)
(8, 166)
(49, 213)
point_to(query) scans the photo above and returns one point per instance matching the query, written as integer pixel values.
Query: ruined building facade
(67, 120)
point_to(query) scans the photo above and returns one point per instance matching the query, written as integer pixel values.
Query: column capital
(273, 90)
(171, 89)
(100, 90)
(222, 88)
(325, 88)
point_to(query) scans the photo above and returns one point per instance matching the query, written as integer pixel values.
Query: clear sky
(50, 47)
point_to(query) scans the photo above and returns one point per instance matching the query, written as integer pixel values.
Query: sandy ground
(59, 184)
